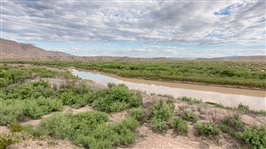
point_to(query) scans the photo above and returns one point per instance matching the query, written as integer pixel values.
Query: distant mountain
(258, 58)
(13, 50)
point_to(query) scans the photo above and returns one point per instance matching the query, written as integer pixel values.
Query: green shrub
(254, 137)
(14, 127)
(32, 110)
(121, 133)
(10, 111)
(86, 122)
(106, 136)
(234, 122)
(219, 105)
(243, 107)
(189, 116)
(160, 113)
(68, 97)
(158, 124)
(208, 129)
(189, 100)
(35, 131)
(85, 99)
(136, 113)
(227, 129)
(8, 138)
(5, 142)
(116, 98)
(180, 126)
(166, 95)
(88, 129)
(162, 110)
(57, 126)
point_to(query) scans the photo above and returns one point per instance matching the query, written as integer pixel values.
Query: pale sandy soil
(44, 144)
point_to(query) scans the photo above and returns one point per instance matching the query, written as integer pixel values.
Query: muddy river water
(227, 96)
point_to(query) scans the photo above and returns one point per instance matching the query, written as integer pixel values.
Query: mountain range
(13, 50)
(21, 51)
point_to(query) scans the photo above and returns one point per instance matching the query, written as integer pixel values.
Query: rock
(203, 145)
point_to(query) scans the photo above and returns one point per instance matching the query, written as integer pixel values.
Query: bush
(189, 116)
(88, 129)
(121, 133)
(14, 127)
(85, 99)
(233, 122)
(189, 100)
(180, 126)
(136, 113)
(162, 110)
(8, 138)
(10, 111)
(208, 129)
(68, 97)
(35, 131)
(243, 107)
(57, 126)
(160, 113)
(116, 98)
(254, 137)
(158, 124)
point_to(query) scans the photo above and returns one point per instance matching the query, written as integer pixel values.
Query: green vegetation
(28, 94)
(15, 135)
(18, 75)
(218, 105)
(247, 74)
(136, 113)
(15, 127)
(160, 113)
(116, 98)
(189, 100)
(180, 126)
(208, 129)
(189, 116)
(250, 136)
(253, 137)
(8, 138)
(240, 107)
(88, 129)
(28, 99)
(32, 97)
(232, 123)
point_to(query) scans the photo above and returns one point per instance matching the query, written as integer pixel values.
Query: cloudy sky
(138, 28)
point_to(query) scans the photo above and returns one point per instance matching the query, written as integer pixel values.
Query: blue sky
(138, 28)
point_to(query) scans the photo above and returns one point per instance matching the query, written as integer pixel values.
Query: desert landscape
(132, 74)
(151, 120)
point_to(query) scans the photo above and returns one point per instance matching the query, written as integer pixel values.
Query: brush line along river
(226, 96)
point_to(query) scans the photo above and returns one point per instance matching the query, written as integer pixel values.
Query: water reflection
(258, 103)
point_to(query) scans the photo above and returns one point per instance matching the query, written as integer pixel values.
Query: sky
(138, 28)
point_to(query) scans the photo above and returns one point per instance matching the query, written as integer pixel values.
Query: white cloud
(184, 22)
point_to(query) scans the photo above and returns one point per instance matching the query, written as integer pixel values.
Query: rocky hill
(13, 50)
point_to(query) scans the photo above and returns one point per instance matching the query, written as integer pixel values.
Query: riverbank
(249, 75)
(151, 87)
(184, 85)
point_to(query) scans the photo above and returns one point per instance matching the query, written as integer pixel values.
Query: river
(226, 96)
